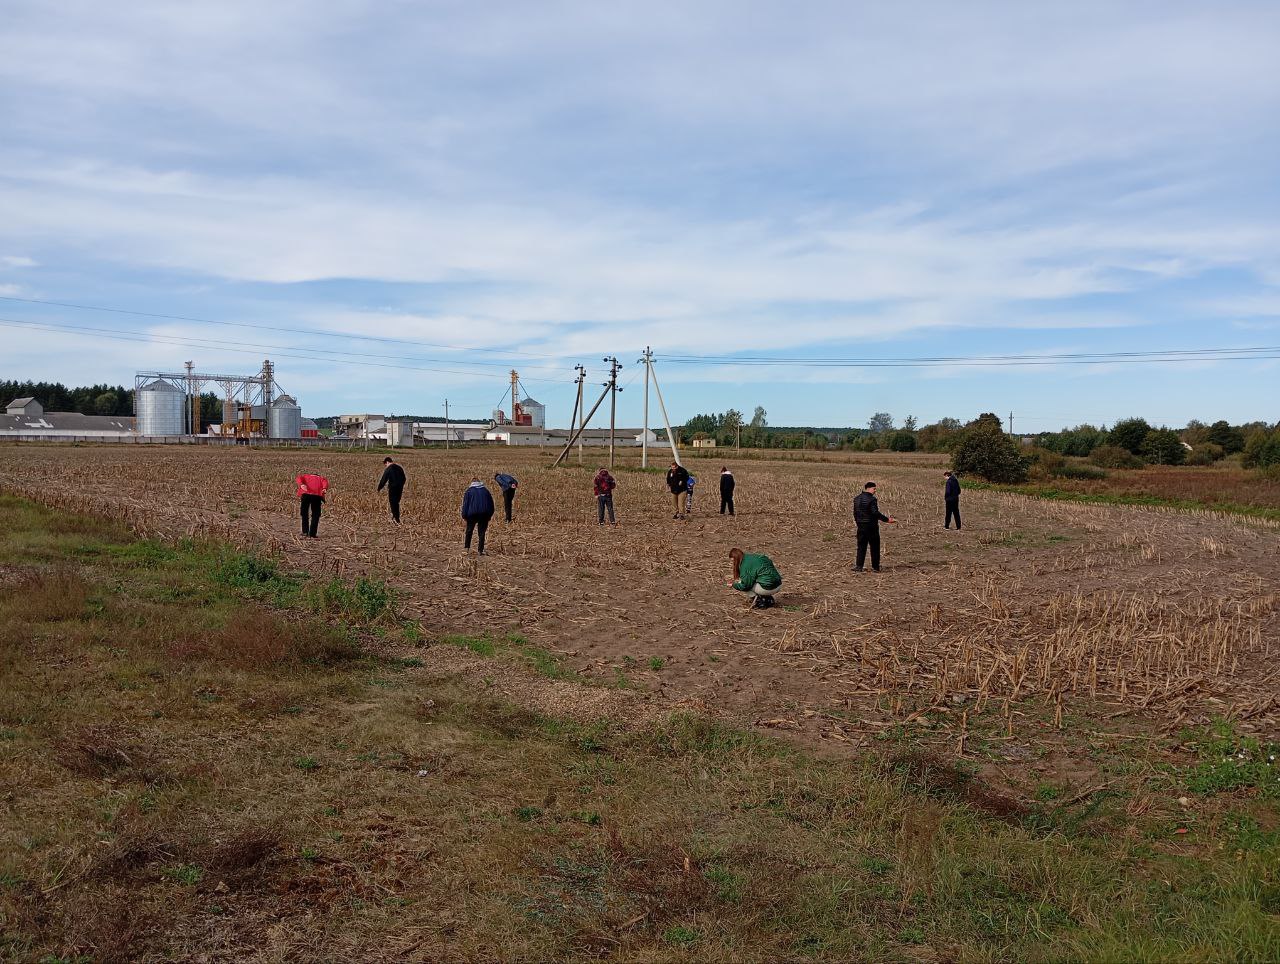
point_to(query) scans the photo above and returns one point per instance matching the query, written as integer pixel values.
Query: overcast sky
(562, 181)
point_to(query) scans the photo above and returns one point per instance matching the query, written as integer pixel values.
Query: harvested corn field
(1034, 611)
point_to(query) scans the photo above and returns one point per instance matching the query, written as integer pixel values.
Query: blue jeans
(605, 502)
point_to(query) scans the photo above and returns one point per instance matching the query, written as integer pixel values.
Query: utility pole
(1010, 421)
(666, 422)
(515, 403)
(446, 424)
(191, 390)
(612, 386)
(644, 439)
(578, 419)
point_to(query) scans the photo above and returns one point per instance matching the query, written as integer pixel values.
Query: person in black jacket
(678, 483)
(477, 510)
(508, 485)
(726, 490)
(393, 480)
(951, 496)
(867, 515)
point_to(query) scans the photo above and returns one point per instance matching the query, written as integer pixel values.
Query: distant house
(26, 419)
(704, 443)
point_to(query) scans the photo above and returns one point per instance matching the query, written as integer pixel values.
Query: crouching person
(757, 575)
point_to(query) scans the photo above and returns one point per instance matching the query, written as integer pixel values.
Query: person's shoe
(769, 602)
(858, 569)
(757, 602)
(877, 569)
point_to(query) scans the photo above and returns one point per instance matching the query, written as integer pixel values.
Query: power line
(1062, 358)
(320, 332)
(133, 336)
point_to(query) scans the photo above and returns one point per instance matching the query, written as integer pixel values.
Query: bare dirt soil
(1035, 616)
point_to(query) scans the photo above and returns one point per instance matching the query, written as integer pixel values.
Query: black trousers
(508, 499)
(311, 506)
(953, 509)
(868, 537)
(475, 522)
(726, 502)
(393, 500)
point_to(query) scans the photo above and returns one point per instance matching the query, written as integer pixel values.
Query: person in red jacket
(603, 485)
(311, 493)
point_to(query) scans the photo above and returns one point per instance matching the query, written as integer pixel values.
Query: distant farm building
(26, 419)
(704, 443)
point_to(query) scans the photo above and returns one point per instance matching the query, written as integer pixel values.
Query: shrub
(1163, 447)
(1206, 453)
(1081, 470)
(1129, 434)
(1114, 457)
(1261, 450)
(903, 442)
(989, 454)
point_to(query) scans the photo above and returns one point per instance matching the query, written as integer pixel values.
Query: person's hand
(892, 521)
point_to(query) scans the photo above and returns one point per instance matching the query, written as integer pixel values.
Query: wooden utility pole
(612, 387)
(579, 410)
(1010, 421)
(446, 424)
(662, 406)
(644, 439)
(579, 430)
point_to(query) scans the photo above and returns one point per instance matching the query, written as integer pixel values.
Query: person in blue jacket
(477, 510)
(951, 496)
(508, 485)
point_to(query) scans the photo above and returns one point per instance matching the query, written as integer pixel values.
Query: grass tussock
(254, 638)
(53, 596)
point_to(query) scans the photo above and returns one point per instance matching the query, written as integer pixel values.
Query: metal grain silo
(161, 409)
(285, 418)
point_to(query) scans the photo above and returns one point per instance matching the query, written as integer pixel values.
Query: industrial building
(167, 404)
(25, 419)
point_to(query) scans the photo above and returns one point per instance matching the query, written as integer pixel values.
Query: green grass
(169, 801)
(1090, 498)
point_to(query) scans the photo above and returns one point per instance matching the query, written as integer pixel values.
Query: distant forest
(93, 399)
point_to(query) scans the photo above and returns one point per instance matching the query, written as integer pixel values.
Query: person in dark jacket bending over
(726, 490)
(393, 479)
(951, 496)
(867, 514)
(678, 483)
(757, 575)
(508, 485)
(477, 510)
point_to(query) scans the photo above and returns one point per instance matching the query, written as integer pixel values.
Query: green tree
(1163, 446)
(1129, 433)
(989, 454)
(880, 423)
(902, 442)
(988, 421)
(909, 423)
(1221, 433)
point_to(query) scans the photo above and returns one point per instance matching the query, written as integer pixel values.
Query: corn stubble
(1140, 609)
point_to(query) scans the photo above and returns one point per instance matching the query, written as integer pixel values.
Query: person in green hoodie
(757, 575)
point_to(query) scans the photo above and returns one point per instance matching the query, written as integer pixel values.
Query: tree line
(1128, 443)
(94, 399)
